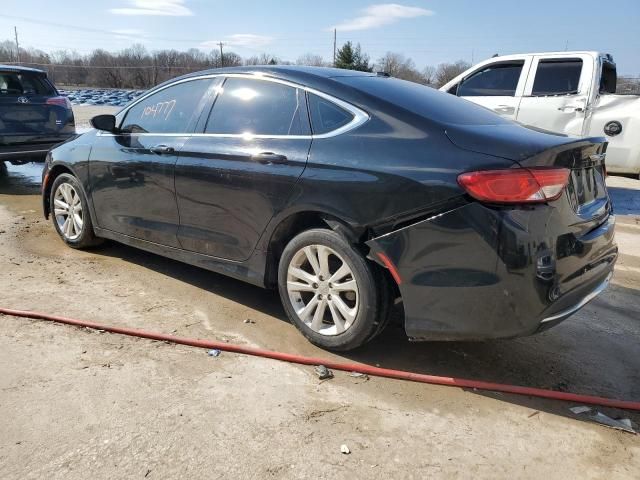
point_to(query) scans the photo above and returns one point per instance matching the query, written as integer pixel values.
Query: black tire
(86, 237)
(372, 289)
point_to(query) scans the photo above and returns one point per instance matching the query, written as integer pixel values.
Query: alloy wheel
(323, 290)
(68, 211)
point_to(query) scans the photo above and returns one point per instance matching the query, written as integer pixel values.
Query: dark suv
(33, 115)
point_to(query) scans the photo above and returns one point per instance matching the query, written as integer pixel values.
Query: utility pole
(221, 55)
(15, 30)
(334, 46)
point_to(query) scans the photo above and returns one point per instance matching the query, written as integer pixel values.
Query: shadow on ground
(595, 352)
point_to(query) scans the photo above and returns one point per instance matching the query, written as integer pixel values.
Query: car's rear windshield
(425, 101)
(22, 83)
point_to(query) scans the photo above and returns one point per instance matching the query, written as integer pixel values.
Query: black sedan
(347, 190)
(33, 115)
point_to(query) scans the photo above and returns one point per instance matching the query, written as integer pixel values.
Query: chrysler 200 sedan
(347, 190)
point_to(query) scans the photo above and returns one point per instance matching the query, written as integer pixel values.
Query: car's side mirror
(106, 123)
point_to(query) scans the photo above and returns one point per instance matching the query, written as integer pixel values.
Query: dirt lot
(79, 404)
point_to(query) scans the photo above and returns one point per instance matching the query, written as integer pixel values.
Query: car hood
(511, 141)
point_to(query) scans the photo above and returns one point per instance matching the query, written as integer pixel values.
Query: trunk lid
(586, 192)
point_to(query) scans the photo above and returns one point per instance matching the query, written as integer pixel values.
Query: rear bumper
(556, 318)
(478, 273)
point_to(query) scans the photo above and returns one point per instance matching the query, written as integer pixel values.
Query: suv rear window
(16, 83)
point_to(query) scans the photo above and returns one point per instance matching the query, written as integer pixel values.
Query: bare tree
(429, 75)
(399, 66)
(448, 71)
(628, 85)
(312, 60)
(262, 59)
(135, 67)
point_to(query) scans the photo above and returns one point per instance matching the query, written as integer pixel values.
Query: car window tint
(326, 116)
(23, 84)
(557, 77)
(258, 107)
(499, 79)
(172, 110)
(422, 100)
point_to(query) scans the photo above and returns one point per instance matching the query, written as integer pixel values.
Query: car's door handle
(162, 149)
(571, 108)
(269, 158)
(505, 109)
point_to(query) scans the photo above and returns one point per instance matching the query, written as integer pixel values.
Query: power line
(95, 30)
(124, 67)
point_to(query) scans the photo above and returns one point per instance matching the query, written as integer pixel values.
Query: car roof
(542, 54)
(318, 77)
(19, 68)
(289, 71)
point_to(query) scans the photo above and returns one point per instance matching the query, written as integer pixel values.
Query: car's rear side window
(424, 101)
(326, 116)
(557, 77)
(174, 109)
(18, 84)
(245, 106)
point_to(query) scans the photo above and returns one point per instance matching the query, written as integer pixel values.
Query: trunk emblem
(23, 100)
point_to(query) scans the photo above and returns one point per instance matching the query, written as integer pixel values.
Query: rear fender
(440, 262)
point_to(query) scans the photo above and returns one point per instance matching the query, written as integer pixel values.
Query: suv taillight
(60, 101)
(515, 185)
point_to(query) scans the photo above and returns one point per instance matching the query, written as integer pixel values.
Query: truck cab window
(557, 77)
(495, 80)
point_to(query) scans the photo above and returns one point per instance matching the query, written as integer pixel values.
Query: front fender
(70, 157)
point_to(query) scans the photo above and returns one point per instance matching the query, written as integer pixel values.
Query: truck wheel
(330, 292)
(70, 213)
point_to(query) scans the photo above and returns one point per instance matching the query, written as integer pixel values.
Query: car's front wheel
(70, 213)
(336, 298)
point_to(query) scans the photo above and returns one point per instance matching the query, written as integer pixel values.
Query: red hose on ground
(348, 367)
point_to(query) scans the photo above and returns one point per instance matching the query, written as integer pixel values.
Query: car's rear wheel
(70, 213)
(335, 297)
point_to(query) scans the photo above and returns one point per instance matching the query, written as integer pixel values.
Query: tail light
(60, 101)
(515, 185)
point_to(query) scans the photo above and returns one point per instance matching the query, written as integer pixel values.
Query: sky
(428, 31)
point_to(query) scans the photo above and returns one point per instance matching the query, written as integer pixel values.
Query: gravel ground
(79, 404)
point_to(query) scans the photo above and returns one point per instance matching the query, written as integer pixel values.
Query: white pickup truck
(565, 92)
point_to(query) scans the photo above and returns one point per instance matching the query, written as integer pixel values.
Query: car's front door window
(172, 110)
(495, 86)
(494, 80)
